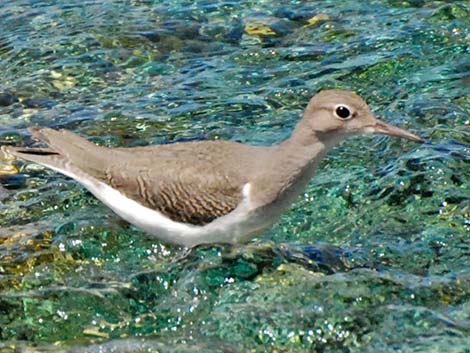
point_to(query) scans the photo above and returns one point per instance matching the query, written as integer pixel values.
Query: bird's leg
(251, 250)
(188, 253)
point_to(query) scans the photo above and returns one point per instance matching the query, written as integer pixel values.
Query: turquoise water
(373, 258)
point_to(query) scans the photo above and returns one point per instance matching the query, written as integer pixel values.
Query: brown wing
(185, 191)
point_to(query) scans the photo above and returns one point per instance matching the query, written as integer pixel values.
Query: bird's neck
(288, 167)
(301, 153)
(304, 136)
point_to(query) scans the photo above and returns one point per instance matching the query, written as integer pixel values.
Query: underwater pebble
(13, 181)
(307, 52)
(7, 99)
(235, 33)
(318, 19)
(176, 28)
(8, 169)
(259, 29)
(64, 83)
(423, 107)
(182, 29)
(282, 27)
(38, 103)
(229, 32)
(9, 137)
(299, 14)
(3, 193)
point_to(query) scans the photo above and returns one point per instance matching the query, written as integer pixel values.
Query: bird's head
(335, 114)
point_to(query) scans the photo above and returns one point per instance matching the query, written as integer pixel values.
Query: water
(373, 258)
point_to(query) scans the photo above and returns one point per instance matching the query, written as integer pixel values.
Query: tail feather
(57, 137)
(43, 156)
(63, 141)
(36, 152)
(65, 149)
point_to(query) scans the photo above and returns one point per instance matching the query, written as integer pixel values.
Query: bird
(211, 191)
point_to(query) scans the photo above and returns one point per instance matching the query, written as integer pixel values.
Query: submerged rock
(12, 181)
(298, 14)
(7, 99)
(38, 103)
(176, 28)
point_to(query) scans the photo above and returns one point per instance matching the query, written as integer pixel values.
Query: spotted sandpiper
(204, 192)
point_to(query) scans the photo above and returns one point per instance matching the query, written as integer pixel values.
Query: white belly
(231, 228)
(237, 226)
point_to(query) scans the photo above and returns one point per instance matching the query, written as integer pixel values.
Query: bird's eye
(343, 112)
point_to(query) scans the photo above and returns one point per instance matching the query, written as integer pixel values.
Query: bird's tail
(66, 150)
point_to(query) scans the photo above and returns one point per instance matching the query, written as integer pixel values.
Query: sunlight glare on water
(373, 258)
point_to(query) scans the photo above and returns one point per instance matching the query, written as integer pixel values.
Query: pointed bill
(383, 128)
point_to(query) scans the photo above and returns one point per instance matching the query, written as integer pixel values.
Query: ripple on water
(373, 257)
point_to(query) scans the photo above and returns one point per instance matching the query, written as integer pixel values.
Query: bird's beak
(383, 128)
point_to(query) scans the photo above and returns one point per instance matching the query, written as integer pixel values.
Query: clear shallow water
(373, 258)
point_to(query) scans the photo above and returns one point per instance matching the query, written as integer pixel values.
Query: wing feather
(190, 193)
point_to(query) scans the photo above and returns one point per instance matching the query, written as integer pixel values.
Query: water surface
(373, 258)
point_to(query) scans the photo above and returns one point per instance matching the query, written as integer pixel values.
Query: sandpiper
(204, 192)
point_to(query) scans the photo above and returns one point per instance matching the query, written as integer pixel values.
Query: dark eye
(343, 112)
